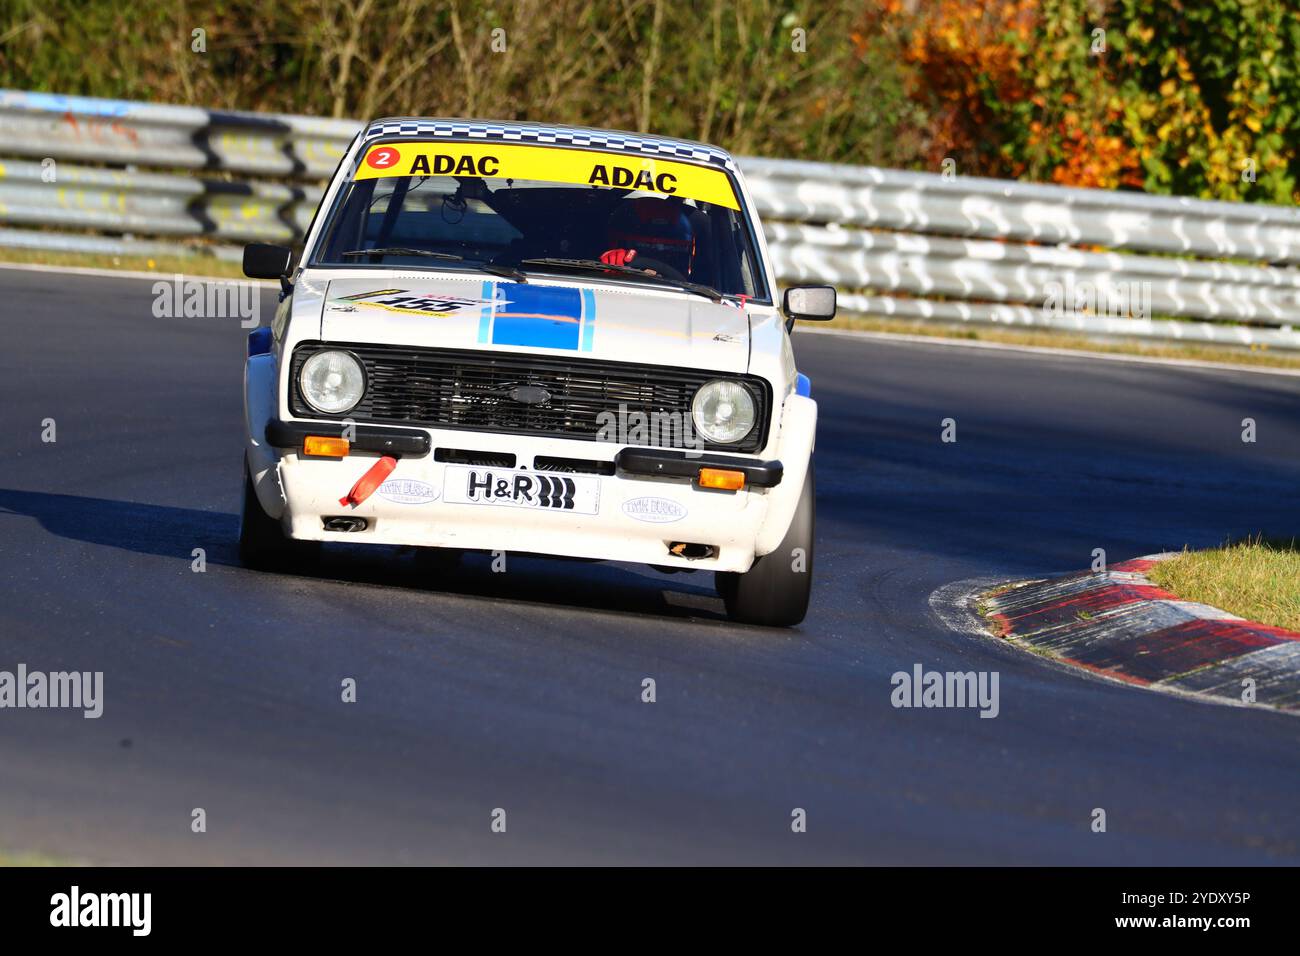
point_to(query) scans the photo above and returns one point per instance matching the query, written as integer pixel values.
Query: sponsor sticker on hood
(408, 302)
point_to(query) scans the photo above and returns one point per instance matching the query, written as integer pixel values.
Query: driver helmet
(655, 228)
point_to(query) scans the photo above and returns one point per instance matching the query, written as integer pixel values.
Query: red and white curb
(1118, 624)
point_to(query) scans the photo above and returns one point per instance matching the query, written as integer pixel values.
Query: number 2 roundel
(383, 158)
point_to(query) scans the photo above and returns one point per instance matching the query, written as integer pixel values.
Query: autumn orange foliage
(1014, 90)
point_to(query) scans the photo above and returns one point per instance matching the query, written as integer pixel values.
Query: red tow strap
(372, 479)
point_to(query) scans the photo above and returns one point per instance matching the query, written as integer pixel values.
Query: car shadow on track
(171, 532)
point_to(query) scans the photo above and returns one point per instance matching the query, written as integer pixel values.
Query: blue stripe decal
(485, 316)
(542, 317)
(588, 318)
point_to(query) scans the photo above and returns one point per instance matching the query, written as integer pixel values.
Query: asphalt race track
(522, 690)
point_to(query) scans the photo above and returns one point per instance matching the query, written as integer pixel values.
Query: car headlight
(723, 411)
(332, 382)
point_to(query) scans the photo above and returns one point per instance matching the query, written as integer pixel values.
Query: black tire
(263, 546)
(772, 593)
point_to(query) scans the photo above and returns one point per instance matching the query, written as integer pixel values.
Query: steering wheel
(661, 268)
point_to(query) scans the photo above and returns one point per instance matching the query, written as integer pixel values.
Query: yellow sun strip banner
(554, 164)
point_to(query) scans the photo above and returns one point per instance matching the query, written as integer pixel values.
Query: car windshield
(578, 212)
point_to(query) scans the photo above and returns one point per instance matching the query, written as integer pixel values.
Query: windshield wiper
(401, 251)
(492, 268)
(480, 265)
(595, 265)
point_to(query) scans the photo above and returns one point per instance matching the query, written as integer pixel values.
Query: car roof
(548, 134)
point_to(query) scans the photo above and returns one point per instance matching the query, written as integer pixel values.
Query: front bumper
(648, 503)
(647, 500)
(632, 461)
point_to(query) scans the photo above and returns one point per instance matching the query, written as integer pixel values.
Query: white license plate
(545, 491)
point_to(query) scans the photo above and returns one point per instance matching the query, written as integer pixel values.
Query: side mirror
(262, 260)
(809, 302)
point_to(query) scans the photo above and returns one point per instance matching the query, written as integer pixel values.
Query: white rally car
(521, 338)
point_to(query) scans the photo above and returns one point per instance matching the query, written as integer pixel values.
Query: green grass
(163, 265)
(30, 859)
(1256, 579)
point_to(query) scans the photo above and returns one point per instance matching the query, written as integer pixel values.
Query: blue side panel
(537, 316)
(259, 341)
(803, 385)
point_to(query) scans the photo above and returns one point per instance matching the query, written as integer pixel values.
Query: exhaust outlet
(691, 552)
(346, 523)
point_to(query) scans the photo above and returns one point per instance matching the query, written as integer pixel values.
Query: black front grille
(443, 388)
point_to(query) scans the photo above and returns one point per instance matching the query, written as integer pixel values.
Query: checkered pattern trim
(551, 135)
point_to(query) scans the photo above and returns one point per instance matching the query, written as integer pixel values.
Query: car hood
(617, 323)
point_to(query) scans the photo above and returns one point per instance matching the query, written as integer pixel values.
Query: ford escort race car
(519, 338)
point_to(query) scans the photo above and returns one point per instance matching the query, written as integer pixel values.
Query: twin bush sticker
(408, 491)
(556, 164)
(654, 510)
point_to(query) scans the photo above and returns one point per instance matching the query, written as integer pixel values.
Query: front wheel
(774, 591)
(263, 545)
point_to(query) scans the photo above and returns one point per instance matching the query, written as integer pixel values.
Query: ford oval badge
(530, 395)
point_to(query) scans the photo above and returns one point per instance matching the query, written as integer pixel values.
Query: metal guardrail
(154, 204)
(88, 129)
(971, 206)
(897, 244)
(1001, 272)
